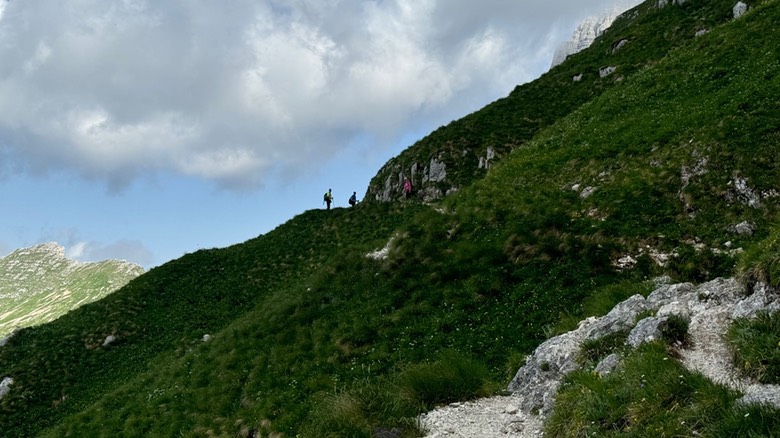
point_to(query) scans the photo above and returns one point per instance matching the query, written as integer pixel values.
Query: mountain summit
(585, 34)
(38, 284)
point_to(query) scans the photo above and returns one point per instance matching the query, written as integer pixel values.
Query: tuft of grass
(360, 411)
(451, 378)
(594, 350)
(748, 421)
(761, 262)
(652, 395)
(394, 402)
(674, 330)
(514, 362)
(756, 346)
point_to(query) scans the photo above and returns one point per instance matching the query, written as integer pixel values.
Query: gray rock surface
(739, 9)
(590, 29)
(5, 386)
(110, 339)
(664, 3)
(606, 71)
(646, 330)
(607, 365)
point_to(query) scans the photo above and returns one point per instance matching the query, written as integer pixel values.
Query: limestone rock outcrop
(720, 300)
(587, 32)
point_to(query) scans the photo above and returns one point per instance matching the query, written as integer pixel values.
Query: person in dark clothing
(353, 199)
(328, 198)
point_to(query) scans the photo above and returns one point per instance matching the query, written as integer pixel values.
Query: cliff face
(585, 34)
(39, 284)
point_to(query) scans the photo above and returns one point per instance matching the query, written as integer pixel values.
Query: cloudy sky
(147, 129)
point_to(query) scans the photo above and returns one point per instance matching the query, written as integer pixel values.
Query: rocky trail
(709, 308)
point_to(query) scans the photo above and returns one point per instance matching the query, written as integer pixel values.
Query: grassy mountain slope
(647, 33)
(63, 364)
(39, 284)
(305, 328)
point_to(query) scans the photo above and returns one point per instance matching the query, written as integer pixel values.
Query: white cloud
(84, 251)
(75, 251)
(119, 250)
(112, 89)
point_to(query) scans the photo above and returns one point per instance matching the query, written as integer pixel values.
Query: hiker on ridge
(328, 198)
(353, 199)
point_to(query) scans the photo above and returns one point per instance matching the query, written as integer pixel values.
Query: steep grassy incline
(667, 172)
(639, 38)
(662, 168)
(60, 368)
(663, 153)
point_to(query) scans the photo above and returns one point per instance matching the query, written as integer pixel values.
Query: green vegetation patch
(756, 346)
(651, 394)
(761, 262)
(393, 403)
(307, 330)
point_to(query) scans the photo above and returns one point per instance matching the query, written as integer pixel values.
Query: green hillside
(39, 284)
(637, 40)
(313, 331)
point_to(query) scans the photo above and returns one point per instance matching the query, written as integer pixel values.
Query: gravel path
(710, 355)
(489, 417)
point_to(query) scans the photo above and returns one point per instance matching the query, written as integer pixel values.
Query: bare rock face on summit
(587, 32)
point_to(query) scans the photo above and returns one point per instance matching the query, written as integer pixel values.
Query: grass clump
(652, 395)
(756, 346)
(393, 403)
(761, 263)
(594, 350)
(451, 378)
(674, 330)
(361, 411)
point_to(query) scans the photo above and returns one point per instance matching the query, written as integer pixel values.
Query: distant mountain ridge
(38, 284)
